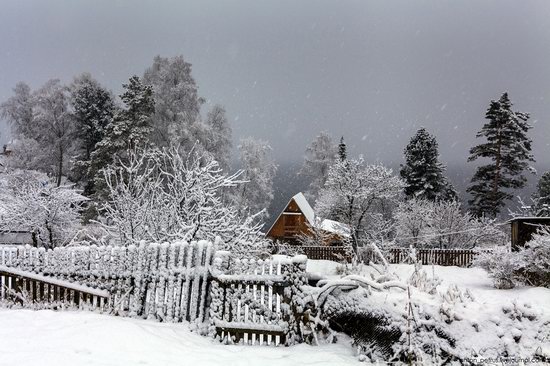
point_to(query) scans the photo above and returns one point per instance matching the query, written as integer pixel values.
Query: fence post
(217, 290)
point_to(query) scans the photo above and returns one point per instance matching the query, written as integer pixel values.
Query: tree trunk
(60, 167)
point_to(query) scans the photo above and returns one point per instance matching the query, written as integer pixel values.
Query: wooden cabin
(298, 218)
(523, 228)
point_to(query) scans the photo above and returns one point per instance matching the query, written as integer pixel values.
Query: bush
(536, 260)
(502, 266)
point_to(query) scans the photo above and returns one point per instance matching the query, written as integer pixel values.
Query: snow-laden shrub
(32, 202)
(535, 260)
(443, 224)
(501, 264)
(166, 195)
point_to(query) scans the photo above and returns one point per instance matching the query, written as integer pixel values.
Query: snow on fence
(168, 282)
(27, 287)
(442, 257)
(255, 301)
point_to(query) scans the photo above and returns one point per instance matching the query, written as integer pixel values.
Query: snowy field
(32, 338)
(29, 338)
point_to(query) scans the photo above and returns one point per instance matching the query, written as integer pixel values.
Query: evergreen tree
(342, 150)
(542, 196)
(508, 148)
(422, 172)
(129, 129)
(93, 108)
(320, 156)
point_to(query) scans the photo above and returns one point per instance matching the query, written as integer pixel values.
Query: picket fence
(255, 301)
(167, 282)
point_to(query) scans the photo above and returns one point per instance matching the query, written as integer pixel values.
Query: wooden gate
(253, 301)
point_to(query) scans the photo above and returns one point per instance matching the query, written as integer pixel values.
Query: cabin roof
(304, 206)
(530, 218)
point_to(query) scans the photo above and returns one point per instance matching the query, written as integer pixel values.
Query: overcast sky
(373, 71)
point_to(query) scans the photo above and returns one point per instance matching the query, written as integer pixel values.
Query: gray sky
(373, 71)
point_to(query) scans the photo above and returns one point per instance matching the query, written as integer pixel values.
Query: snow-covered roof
(304, 206)
(335, 227)
(541, 218)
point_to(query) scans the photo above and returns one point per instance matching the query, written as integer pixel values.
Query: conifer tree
(93, 108)
(129, 129)
(508, 149)
(542, 196)
(342, 150)
(422, 172)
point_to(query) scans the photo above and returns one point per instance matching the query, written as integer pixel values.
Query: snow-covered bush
(359, 194)
(32, 202)
(166, 195)
(530, 265)
(502, 266)
(535, 259)
(443, 224)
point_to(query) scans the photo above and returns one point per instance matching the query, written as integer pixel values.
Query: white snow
(335, 227)
(47, 338)
(55, 281)
(304, 206)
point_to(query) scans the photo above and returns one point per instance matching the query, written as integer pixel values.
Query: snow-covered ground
(31, 338)
(83, 338)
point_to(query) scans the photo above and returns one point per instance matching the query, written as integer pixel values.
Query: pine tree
(508, 148)
(542, 196)
(342, 150)
(320, 156)
(129, 129)
(93, 108)
(422, 172)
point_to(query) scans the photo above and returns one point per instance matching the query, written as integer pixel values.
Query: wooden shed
(523, 228)
(298, 218)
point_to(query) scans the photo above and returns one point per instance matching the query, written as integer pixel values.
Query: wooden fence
(253, 301)
(331, 253)
(168, 282)
(441, 257)
(29, 288)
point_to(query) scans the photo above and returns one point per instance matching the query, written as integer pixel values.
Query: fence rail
(26, 287)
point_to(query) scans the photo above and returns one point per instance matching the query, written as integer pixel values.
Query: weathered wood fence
(442, 257)
(331, 253)
(255, 301)
(26, 287)
(167, 282)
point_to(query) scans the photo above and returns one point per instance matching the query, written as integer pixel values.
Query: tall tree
(422, 172)
(129, 129)
(259, 169)
(319, 157)
(18, 111)
(177, 104)
(542, 196)
(93, 108)
(57, 128)
(355, 194)
(219, 141)
(508, 148)
(342, 150)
